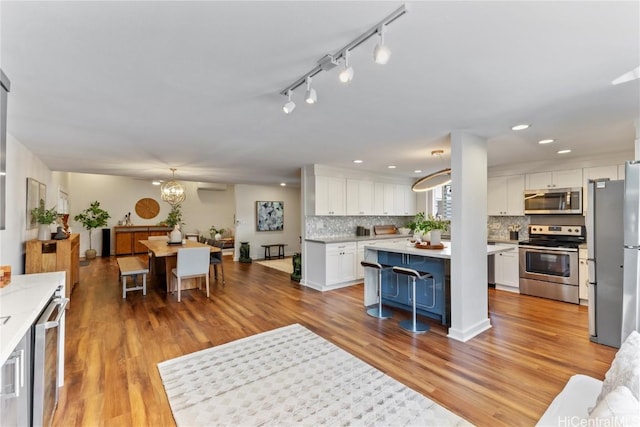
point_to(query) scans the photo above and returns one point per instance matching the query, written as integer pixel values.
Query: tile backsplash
(333, 226)
(498, 227)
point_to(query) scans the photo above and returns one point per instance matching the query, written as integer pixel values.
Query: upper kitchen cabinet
(359, 197)
(405, 200)
(599, 172)
(505, 195)
(330, 195)
(383, 199)
(556, 179)
(621, 173)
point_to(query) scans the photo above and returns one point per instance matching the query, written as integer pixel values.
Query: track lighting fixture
(381, 53)
(346, 75)
(289, 106)
(311, 97)
(328, 62)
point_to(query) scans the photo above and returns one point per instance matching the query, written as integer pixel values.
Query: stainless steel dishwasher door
(45, 362)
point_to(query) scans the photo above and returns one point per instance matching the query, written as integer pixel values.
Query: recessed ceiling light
(357, 161)
(417, 171)
(520, 127)
(283, 184)
(156, 182)
(564, 151)
(546, 141)
(391, 167)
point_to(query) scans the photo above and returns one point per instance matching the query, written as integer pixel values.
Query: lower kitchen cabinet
(330, 266)
(583, 276)
(507, 270)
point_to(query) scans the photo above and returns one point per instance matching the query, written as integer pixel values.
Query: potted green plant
(92, 217)
(175, 216)
(216, 233)
(44, 217)
(424, 224)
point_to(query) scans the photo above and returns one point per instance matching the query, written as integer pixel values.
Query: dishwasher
(15, 385)
(46, 360)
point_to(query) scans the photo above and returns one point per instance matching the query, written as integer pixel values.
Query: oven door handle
(542, 249)
(48, 324)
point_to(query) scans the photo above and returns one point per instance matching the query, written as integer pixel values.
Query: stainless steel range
(549, 262)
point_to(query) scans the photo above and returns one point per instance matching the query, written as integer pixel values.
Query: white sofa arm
(572, 405)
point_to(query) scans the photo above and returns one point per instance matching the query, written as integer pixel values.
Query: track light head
(381, 53)
(289, 105)
(311, 97)
(346, 75)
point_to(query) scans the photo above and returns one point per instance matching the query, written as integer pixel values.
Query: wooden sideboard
(127, 237)
(44, 256)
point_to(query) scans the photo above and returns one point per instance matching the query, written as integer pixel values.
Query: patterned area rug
(285, 264)
(290, 376)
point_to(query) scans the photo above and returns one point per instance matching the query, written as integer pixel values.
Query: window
(441, 201)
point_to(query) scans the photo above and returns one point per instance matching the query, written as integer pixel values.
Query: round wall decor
(147, 208)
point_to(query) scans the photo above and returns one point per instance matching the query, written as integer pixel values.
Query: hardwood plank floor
(507, 375)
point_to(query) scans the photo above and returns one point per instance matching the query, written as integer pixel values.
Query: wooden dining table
(161, 249)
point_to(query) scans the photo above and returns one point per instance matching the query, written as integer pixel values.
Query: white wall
(246, 198)
(119, 195)
(22, 164)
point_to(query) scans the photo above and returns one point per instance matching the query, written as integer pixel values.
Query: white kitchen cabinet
(330, 196)
(359, 197)
(583, 276)
(557, 179)
(505, 195)
(507, 270)
(598, 172)
(405, 200)
(360, 255)
(383, 198)
(341, 262)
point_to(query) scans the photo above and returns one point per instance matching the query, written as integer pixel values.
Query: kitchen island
(433, 298)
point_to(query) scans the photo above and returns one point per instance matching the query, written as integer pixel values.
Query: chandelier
(436, 179)
(172, 191)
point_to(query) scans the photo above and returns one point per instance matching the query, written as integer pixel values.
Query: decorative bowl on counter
(404, 230)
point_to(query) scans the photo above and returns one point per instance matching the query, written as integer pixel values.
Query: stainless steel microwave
(553, 201)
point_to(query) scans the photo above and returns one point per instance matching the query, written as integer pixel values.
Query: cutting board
(385, 229)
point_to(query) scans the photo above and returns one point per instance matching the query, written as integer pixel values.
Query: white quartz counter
(406, 248)
(23, 300)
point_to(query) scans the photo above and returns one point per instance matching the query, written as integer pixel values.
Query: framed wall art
(269, 216)
(36, 191)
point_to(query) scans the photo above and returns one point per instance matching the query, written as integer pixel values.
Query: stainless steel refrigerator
(631, 286)
(605, 232)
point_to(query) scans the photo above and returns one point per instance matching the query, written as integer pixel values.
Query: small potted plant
(92, 217)
(44, 218)
(216, 233)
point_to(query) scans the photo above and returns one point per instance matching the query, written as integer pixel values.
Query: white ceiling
(134, 88)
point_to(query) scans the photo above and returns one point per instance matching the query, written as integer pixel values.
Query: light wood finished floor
(505, 376)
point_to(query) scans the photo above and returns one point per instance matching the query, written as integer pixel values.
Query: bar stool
(413, 325)
(379, 312)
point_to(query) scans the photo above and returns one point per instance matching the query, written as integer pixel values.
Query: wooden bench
(267, 250)
(132, 266)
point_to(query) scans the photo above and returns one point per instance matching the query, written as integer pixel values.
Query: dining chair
(191, 263)
(215, 258)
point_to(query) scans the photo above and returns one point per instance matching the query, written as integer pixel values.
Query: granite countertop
(445, 253)
(23, 300)
(499, 240)
(342, 239)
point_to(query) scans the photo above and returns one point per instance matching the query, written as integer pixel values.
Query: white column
(636, 123)
(469, 295)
